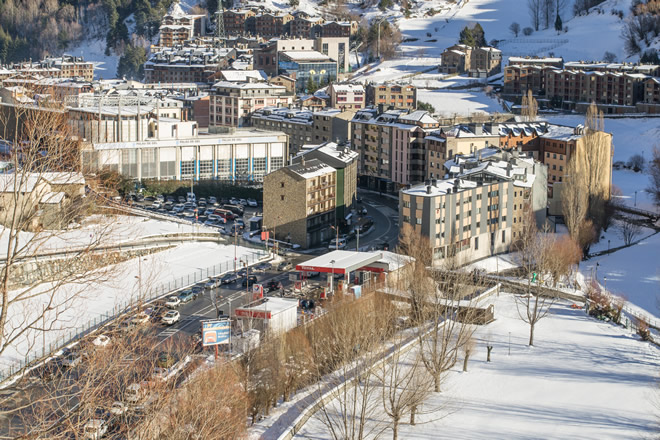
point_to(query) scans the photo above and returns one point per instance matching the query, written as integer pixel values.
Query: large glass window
(187, 169)
(129, 163)
(276, 163)
(259, 168)
(148, 157)
(224, 169)
(205, 169)
(242, 169)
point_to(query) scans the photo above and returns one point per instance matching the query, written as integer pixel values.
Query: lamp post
(605, 283)
(332, 279)
(378, 43)
(608, 246)
(337, 239)
(635, 199)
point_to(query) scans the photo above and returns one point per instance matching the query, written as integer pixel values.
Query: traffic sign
(216, 332)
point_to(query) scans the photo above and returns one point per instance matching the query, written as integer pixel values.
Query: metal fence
(69, 336)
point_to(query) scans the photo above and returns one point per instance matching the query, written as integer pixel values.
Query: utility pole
(235, 246)
(220, 26)
(357, 243)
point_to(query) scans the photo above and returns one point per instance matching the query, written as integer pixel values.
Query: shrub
(637, 163)
(528, 31)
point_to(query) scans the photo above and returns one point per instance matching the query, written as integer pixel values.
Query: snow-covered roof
(310, 169)
(348, 88)
(333, 150)
(176, 10)
(272, 304)
(562, 133)
(61, 178)
(420, 116)
(306, 55)
(246, 86)
(52, 198)
(441, 188)
(243, 75)
(26, 182)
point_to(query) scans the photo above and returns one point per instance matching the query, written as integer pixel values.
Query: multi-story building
(392, 95)
(345, 161)
(461, 218)
(520, 78)
(299, 202)
(187, 64)
(477, 61)
(306, 27)
(297, 124)
(332, 125)
(309, 68)
(272, 24)
(651, 103)
(285, 81)
(536, 61)
(347, 96)
(243, 155)
(235, 20)
(232, 103)
(391, 146)
(66, 66)
(468, 138)
(266, 57)
(339, 28)
(177, 27)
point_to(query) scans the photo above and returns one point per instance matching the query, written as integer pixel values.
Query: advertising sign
(216, 332)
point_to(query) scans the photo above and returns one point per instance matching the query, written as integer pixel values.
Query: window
(554, 167)
(547, 155)
(457, 216)
(503, 236)
(419, 221)
(282, 197)
(406, 204)
(476, 243)
(406, 219)
(281, 184)
(187, 169)
(561, 167)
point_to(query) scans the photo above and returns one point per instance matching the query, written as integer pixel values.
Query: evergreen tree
(131, 64)
(479, 36)
(310, 84)
(558, 24)
(466, 37)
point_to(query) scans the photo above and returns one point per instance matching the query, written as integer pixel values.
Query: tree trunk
(395, 429)
(465, 362)
(413, 410)
(531, 334)
(489, 348)
(436, 383)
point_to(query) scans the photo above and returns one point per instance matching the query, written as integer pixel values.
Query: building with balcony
(267, 57)
(347, 96)
(300, 202)
(236, 20)
(477, 61)
(190, 64)
(392, 95)
(297, 124)
(177, 27)
(231, 104)
(332, 125)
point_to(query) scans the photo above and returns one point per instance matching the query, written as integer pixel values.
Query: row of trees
(544, 13)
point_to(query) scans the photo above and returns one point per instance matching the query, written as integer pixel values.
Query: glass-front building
(303, 65)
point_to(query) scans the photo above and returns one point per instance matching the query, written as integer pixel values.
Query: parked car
(242, 272)
(118, 408)
(274, 285)
(198, 289)
(95, 429)
(337, 244)
(233, 201)
(181, 199)
(253, 203)
(140, 318)
(71, 360)
(240, 222)
(187, 296)
(284, 265)
(249, 280)
(173, 302)
(263, 267)
(242, 202)
(101, 340)
(171, 317)
(213, 200)
(229, 278)
(212, 283)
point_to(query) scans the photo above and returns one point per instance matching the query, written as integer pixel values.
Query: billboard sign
(216, 332)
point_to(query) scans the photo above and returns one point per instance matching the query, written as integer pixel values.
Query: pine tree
(466, 37)
(558, 24)
(479, 36)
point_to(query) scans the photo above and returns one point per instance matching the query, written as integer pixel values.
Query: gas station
(357, 268)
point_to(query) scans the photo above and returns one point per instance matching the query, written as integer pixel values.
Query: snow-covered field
(583, 379)
(448, 103)
(77, 304)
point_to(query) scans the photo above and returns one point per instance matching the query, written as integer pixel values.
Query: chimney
(428, 189)
(434, 182)
(380, 109)
(461, 168)
(302, 160)
(427, 182)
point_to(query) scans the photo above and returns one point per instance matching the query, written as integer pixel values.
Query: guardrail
(151, 294)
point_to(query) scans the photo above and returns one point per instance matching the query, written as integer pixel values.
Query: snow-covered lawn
(584, 379)
(633, 272)
(463, 103)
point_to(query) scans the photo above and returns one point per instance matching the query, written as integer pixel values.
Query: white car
(141, 318)
(334, 244)
(101, 340)
(171, 317)
(118, 408)
(95, 429)
(172, 302)
(253, 203)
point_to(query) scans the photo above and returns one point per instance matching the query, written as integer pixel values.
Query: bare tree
(468, 349)
(629, 231)
(42, 195)
(535, 12)
(547, 12)
(529, 107)
(515, 29)
(574, 199)
(534, 255)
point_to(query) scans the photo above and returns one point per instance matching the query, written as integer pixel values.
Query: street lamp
(337, 240)
(605, 283)
(635, 199)
(378, 44)
(332, 279)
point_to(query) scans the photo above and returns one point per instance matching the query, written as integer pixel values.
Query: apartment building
(299, 202)
(66, 66)
(345, 162)
(537, 61)
(232, 103)
(477, 61)
(272, 24)
(192, 64)
(177, 27)
(392, 95)
(297, 124)
(339, 29)
(651, 103)
(520, 78)
(347, 96)
(266, 57)
(285, 81)
(332, 125)
(391, 146)
(235, 20)
(462, 219)
(305, 27)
